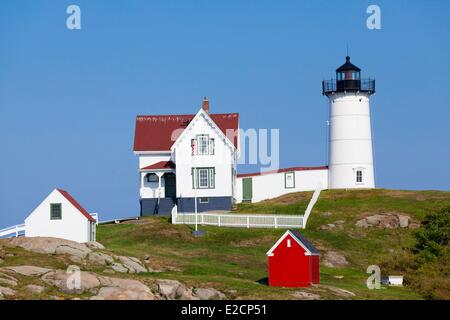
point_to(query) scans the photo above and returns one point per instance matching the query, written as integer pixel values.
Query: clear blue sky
(68, 99)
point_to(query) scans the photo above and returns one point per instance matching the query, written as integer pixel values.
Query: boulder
(133, 264)
(118, 267)
(49, 245)
(34, 288)
(333, 259)
(94, 245)
(100, 258)
(80, 252)
(302, 295)
(30, 271)
(7, 280)
(6, 292)
(386, 220)
(172, 289)
(208, 294)
(117, 293)
(66, 282)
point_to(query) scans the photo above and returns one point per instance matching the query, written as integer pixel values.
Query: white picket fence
(238, 220)
(247, 220)
(13, 231)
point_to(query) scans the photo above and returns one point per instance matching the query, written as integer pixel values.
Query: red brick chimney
(205, 104)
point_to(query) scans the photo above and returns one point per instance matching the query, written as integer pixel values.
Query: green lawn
(234, 261)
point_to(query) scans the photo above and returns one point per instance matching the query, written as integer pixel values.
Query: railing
(13, 231)
(364, 85)
(238, 220)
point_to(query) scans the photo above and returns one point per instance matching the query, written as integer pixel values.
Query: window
(289, 180)
(203, 145)
(204, 200)
(55, 211)
(289, 243)
(359, 176)
(152, 177)
(203, 178)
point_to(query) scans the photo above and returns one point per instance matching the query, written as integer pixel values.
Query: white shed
(61, 216)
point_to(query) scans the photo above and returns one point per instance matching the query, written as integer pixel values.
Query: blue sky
(68, 99)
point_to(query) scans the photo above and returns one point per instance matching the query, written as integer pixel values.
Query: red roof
(158, 133)
(243, 175)
(162, 165)
(76, 204)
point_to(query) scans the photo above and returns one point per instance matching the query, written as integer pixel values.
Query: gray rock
(133, 264)
(170, 289)
(362, 223)
(80, 252)
(94, 245)
(302, 295)
(60, 279)
(118, 267)
(100, 258)
(6, 292)
(116, 293)
(30, 271)
(328, 226)
(1, 260)
(333, 259)
(35, 288)
(48, 245)
(208, 294)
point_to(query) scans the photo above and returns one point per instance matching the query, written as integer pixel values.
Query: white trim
(152, 152)
(213, 125)
(307, 251)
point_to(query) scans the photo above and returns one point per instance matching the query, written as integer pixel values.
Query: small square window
(204, 200)
(55, 211)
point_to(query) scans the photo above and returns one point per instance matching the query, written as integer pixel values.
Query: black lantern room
(348, 78)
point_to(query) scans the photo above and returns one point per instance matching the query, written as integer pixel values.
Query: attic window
(55, 211)
(288, 243)
(203, 145)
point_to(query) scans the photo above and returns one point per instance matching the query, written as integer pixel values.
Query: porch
(158, 188)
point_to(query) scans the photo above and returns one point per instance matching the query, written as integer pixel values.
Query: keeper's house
(61, 216)
(187, 157)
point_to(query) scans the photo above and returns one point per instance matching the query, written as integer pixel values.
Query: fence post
(202, 219)
(17, 231)
(219, 220)
(275, 222)
(248, 221)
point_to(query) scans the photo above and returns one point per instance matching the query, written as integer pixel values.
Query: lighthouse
(350, 163)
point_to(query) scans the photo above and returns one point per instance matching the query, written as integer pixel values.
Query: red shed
(293, 261)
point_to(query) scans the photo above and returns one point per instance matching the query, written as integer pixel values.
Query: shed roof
(301, 240)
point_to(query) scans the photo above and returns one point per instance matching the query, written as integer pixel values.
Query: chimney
(205, 104)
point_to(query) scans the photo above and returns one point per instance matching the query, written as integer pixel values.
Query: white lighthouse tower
(350, 163)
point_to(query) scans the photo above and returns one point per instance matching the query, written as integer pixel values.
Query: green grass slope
(233, 259)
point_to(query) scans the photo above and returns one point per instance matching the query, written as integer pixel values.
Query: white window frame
(286, 174)
(204, 145)
(210, 177)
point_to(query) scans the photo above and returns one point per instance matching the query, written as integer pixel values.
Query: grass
(234, 260)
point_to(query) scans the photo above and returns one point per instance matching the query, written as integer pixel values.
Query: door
(170, 185)
(247, 189)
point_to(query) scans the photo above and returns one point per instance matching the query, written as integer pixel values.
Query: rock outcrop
(334, 259)
(385, 220)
